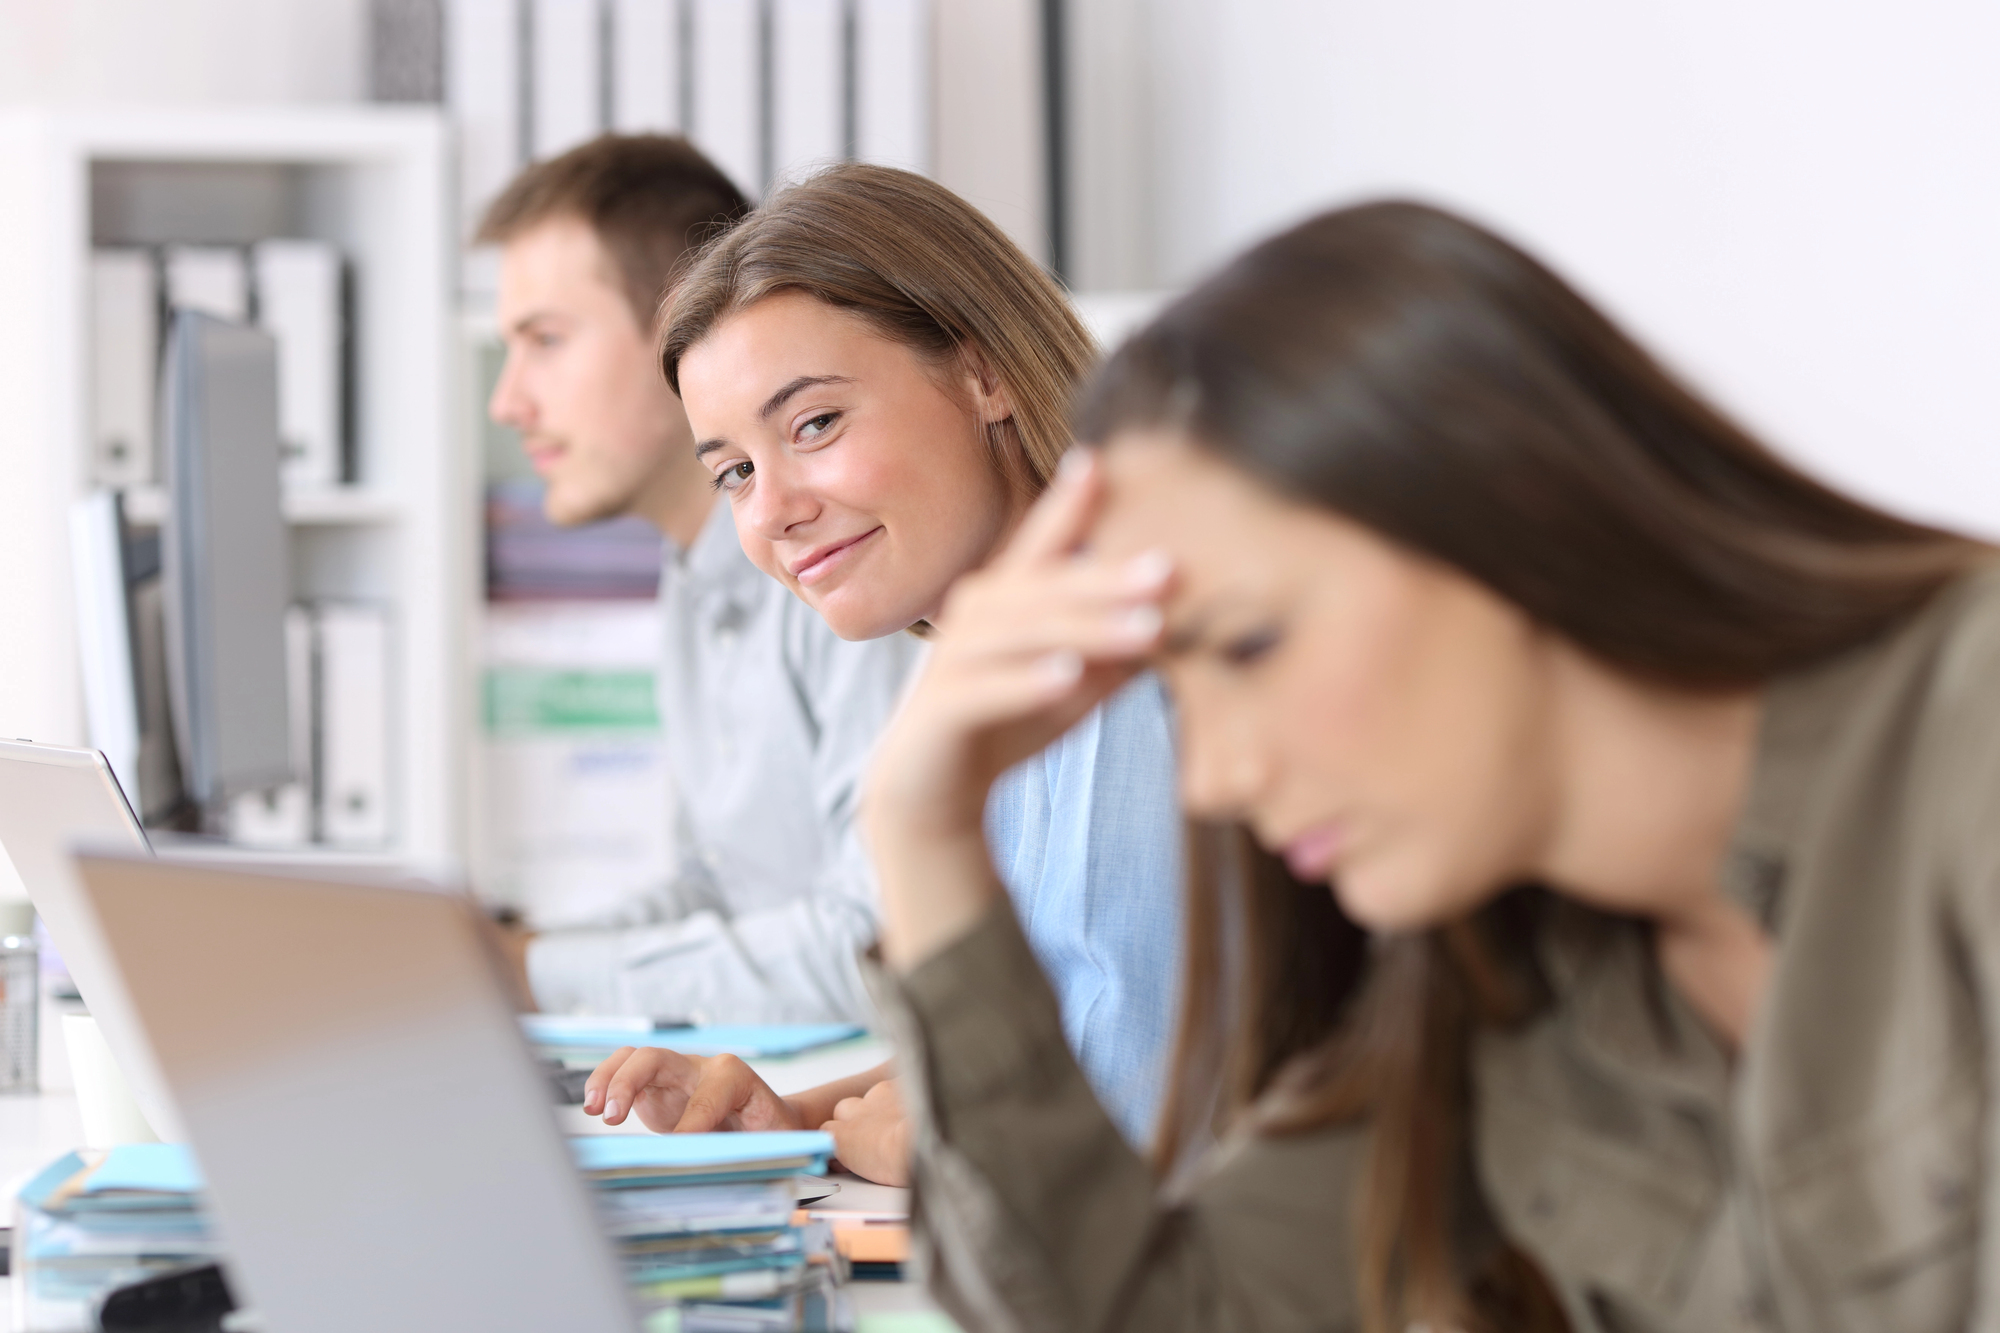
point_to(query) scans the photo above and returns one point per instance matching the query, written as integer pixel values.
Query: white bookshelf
(374, 182)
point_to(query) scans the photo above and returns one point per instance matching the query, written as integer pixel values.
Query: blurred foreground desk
(34, 1131)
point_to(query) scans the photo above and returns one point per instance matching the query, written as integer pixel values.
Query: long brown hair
(1423, 377)
(926, 270)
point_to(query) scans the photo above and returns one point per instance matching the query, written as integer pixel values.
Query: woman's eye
(734, 475)
(818, 426)
(1246, 649)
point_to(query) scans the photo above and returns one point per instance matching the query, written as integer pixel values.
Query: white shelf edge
(309, 856)
(147, 505)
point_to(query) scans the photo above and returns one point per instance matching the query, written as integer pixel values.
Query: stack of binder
(704, 1224)
(97, 1220)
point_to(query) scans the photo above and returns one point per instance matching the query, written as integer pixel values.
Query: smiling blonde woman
(880, 383)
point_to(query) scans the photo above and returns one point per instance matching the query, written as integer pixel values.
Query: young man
(768, 716)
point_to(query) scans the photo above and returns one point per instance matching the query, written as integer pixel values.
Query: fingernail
(1149, 569)
(1062, 668)
(610, 1109)
(1076, 462)
(1140, 623)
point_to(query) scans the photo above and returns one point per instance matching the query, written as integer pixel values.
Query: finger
(1059, 521)
(600, 1077)
(848, 1108)
(1045, 694)
(640, 1070)
(1083, 584)
(1113, 633)
(726, 1083)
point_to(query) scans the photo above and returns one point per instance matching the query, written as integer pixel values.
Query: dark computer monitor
(226, 558)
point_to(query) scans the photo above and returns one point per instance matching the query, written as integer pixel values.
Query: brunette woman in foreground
(1654, 783)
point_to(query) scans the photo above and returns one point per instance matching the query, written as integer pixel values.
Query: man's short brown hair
(650, 198)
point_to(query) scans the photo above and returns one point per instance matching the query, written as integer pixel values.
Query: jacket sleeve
(792, 963)
(1032, 1213)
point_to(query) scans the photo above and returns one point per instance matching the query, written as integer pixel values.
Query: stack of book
(529, 558)
(97, 1220)
(704, 1224)
(706, 1229)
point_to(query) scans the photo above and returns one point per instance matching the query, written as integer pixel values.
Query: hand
(871, 1135)
(1024, 648)
(684, 1094)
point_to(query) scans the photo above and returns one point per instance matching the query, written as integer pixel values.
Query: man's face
(582, 381)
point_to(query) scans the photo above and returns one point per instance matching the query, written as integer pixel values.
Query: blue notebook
(618, 1152)
(162, 1172)
(746, 1040)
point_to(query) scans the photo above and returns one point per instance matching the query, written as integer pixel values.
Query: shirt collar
(716, 558)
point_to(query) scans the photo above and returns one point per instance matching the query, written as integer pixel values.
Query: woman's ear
(985, 389)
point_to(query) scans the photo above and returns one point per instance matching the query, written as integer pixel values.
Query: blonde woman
(880, 384)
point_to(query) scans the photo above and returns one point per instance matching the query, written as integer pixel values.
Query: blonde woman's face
(1376, 718)
(860, 477)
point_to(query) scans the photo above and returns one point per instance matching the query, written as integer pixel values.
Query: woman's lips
(1311, 854)
(820, 563)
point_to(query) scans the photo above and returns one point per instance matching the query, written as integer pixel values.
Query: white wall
(1796, 201)
(989, 129)
(181, 51)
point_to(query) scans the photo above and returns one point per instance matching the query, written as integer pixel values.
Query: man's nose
(510, 404)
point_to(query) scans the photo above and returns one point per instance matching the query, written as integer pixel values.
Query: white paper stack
(298, 303)
(483, 86)
(892, 86)
(568, 100)
(124, 365)
(808, 102)
(645, 66)
(728, 78)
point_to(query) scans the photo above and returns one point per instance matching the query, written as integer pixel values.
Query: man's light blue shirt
(1087, 837)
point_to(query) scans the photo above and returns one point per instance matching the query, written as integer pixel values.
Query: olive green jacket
(1831, 1179)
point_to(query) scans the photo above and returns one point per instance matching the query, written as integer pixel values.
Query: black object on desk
(187, 1300)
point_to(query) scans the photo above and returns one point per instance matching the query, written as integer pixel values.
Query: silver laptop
(380, 1150)
(51, 798)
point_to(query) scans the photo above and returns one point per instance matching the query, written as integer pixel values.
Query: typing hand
(871, 1135)
(684, 1094)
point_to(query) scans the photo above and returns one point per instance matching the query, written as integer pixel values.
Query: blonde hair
(926, 270)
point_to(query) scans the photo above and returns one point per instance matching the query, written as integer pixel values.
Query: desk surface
(35, 1130)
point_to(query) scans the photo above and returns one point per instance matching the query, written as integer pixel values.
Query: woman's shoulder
(1919, 710)
(1964, 680)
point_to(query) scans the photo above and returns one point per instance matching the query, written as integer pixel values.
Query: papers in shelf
(747, 1041)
